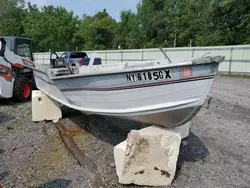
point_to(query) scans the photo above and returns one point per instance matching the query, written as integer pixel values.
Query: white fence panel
(131, 55)
(150, 54)
(240, 67)
(237, 58)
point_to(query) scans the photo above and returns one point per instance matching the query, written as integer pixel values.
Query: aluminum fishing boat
(159, 92)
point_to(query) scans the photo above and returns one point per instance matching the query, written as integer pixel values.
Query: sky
(90, 7)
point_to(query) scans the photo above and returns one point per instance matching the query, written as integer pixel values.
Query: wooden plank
(71, 145)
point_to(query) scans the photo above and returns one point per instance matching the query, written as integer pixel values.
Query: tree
(245, 25)
(128, 31)
(153, 21)
(158, 23)
(51, 28)
(231, 17)
(97, 32)
(11, 14)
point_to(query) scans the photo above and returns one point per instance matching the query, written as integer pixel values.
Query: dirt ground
(216, 154)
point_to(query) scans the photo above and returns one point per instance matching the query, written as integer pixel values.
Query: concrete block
(44, 108)
(119, 153)
(148, 157)
(182, 130)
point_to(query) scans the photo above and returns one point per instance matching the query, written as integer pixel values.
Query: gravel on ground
(216, 153)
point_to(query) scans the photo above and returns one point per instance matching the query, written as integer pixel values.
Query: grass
(235, 76)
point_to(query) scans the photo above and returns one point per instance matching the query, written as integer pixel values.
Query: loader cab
(20, 46)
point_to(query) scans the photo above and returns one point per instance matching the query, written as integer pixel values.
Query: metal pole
(121, 56)
(230, 61)
(106, 57)
(166, 56)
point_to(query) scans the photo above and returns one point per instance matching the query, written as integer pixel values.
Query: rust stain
(72, 128)
(75, 132)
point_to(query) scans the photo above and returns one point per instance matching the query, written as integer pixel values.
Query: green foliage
(11, 14)
(128, 33)
(158, 23)
(97, 32)
(52, 28)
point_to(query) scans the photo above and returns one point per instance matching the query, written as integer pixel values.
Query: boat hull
(168, 118)
(169, 102)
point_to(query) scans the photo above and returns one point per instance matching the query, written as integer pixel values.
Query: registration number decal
(152, 75)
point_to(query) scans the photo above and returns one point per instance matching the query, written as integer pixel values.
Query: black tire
(22, 90)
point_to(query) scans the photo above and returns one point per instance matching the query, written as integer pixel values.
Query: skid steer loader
(16, 80)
